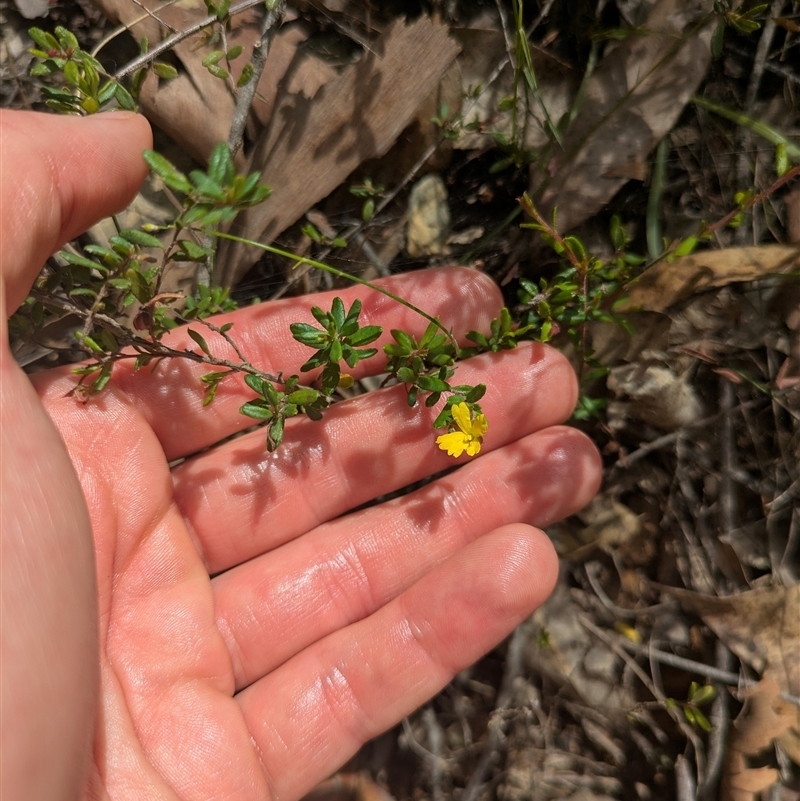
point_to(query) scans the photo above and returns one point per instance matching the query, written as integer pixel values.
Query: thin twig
(744, 135)
(258, 60)
(670, 439)
(435, 741)
(718, 736)
(513, 668)
(176, 38)
(156, 349)
(615, 646)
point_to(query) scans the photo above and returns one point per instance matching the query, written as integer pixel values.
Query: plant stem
(300, 260)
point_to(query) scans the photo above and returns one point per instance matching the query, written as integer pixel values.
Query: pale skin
(225, 629)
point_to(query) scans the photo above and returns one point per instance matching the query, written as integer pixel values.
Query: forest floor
(667, 663)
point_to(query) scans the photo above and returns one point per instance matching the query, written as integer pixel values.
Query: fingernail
(117, 115)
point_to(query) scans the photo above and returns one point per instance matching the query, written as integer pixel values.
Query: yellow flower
(469, 436)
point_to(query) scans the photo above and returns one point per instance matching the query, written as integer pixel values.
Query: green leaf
(66, 39)
(168, 173)
(368, 210)
(191, 251)
(255, 383)
(302, 397)
(246, 76)
(475, 393)
(206, 186)
(782, 164)
(275, 435)
(330, 377)
(322, 317)
(45, 40)
(218, 72)
(100, 383)
(365, 335)
(308, 335)
(71, 73)
(687, 246)
(338, 315)
(165, 71)
(106, 94)
(478, 338)
(257, 410)
(81, 261)
(199, 340)
(717, 40)
(213, 58)
(336, 351)
(234, 53)
(86, 340)
(124, 98)
(220, 165)
(432, 384)
(404, 340)
(136, 237)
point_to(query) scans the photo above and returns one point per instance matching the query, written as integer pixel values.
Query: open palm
(254, 631)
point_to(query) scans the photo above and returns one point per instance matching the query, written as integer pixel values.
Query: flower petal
(479, 426)
(462, 417)
(474, 447)
(455, 443)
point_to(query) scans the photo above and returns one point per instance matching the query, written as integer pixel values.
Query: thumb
(58, 176)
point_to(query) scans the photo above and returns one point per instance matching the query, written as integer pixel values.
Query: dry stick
(176, 38)
(745, 136)
(685, 784)
(513, 669)
(697, 534)
(620, 611)
(718, 736)
(727, 458)
(241, 112)
(772, 67)
(764, 193)
(677, 717)
(720, 711)
(126, 26)
(258, 60)
(671, 439)
(435, 740)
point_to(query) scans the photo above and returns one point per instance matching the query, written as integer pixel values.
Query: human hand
(252, 632)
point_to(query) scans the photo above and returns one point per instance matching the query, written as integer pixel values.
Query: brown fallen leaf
(665, 284)
(311, 146)
(765, 718)
(762, 627)
(196, 108)
(632, 101)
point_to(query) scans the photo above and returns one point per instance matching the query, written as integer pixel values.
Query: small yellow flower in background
(469, 436)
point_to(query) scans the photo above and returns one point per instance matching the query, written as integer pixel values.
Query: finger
(272, 607)
(240, 501)
(60, 175)
(171, 397)
(314, 712)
